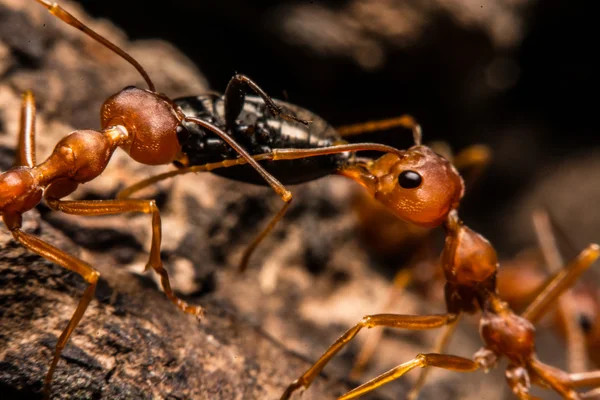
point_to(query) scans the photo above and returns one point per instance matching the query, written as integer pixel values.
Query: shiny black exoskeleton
(254, 124)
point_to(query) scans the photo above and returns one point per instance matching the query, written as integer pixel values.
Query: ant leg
(259, 238)
(69, 262)
(136, 187)
(592, 394)
(285, 194)
(473, 160)
(404, 121)
(560, 282)
(107, 207)
(413, 322)
(574, 335)
(440, 347)
(26, 144)
(452, 363)
(401, 280)
(235, 95)
(277, 154)
(591, 378)
(561, 382)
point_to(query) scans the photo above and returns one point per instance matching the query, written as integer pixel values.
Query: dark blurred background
(516, 75)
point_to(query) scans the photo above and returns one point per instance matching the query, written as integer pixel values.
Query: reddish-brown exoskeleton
(576, 317)
(469, 264)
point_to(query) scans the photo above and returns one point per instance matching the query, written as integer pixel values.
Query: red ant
(576, 317)
(519, 281)
(470, 265)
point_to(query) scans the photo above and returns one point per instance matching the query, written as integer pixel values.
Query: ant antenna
(64, 16)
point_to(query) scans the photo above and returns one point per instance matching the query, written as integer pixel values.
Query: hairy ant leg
(26, 144)
(235, 95)
(412, 322)
(57, 256)
(444, 361)
(111, 207)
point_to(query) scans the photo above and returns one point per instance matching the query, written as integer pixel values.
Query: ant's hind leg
(69, 262)
(560, 282)
(26, 145)
(448, 362)
(108, 207)
(235, 96)
(413, 322)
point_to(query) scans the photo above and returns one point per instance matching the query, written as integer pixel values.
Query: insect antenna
(64, 16)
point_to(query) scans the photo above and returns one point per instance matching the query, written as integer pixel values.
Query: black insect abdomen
(259, 132)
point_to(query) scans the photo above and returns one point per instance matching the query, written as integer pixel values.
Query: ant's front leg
(235, 94)
(108, 207)
(65, 260)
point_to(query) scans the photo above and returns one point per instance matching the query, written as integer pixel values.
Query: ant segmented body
(469, 265)
(518, 282)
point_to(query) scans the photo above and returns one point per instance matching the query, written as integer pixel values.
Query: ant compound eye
(585, 323)
(410, 179)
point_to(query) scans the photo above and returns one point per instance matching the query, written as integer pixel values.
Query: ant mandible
(470, 265)
(150, 128)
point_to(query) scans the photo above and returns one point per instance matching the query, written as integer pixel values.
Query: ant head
(419, 185)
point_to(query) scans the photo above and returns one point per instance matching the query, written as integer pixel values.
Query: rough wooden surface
(310, 281)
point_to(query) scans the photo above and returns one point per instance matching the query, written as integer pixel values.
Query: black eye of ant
(410, 179)
(585, 323)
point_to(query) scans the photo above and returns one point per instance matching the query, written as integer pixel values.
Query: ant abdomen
(151, 121)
